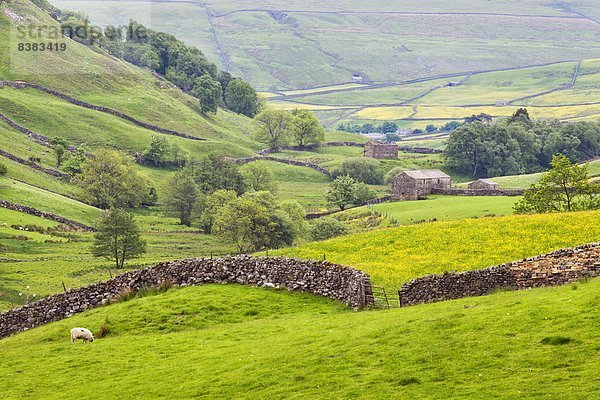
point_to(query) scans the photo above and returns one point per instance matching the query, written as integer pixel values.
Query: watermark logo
(31, 40)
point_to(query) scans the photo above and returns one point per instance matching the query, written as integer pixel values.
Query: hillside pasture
(396, 255)
(230, 338)
(443, 208)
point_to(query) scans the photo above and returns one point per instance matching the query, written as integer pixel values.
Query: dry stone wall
(45, 215)
(557, 268)
(22, 85)
(478, 192)
(49, 171)
(316, 167)
(341, 283)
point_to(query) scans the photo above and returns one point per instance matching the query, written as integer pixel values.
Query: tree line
(390, 128)
(519, 145)
(185, 66)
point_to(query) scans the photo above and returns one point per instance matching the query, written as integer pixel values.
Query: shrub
(362, 170)
(327, 228)
(3, 169)
(103, 331)
(363, 193)
(123, 296)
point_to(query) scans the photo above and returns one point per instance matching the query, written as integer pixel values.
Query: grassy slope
(393, 256)
(442, 208)
(83, 126)
(44, 261)
(99, 79)
(231, 342)
(22, 193)
(525, 181)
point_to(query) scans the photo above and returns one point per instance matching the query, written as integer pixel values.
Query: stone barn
(484, 184)
(381, 150)
(411, 185)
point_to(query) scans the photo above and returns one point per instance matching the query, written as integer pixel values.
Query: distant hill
(359, 62)
(298, 44)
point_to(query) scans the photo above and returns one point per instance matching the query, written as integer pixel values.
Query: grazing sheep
(81, 333)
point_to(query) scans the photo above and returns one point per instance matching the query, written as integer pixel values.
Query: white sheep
(81, 333)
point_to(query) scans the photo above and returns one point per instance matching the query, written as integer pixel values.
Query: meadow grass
(396, 255)
(45, 260)
(443, 208)
(22, 193)
(248, 343)
(525, 181)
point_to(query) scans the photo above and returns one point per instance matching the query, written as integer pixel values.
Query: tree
(566, 187)
(211, 204)
(274, 128)
(307, 129)
(450, 126)
(59, 147)
(241, 98)
(3, 169)
(362, 193)
(118, 237)
(392, 137)
(180, 156)
(241, 221)
(214, 173)
(182, 195)
(362, 170)
(520, 116)
(111, 181)
(158, 151)
(327, 228)
(297, 215)
(342, 192)
(73, 165)
(388, 127)
(259, 178)
(224, 78)
(431, 128)
(256, 221)
(208, 92)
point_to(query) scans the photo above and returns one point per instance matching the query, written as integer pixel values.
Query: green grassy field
(442, 208)
(43, 261)
(393, 256)
(525, 181)
(223, 342)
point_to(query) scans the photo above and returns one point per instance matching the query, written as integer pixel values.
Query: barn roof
(488, 181)
(426, 174)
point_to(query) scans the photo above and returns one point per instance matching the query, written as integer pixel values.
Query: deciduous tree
(182, 195)
(111, 181)
(274, 128)
(118, 237)
(566, 187)
(208, 92)
(307, 129)
(241, 98)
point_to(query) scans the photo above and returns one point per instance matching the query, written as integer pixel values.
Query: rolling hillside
(223, 342)
(393, 256)
(278, 45)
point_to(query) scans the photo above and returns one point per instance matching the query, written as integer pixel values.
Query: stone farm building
(484, 184)
(381, 150)
(411, 185)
